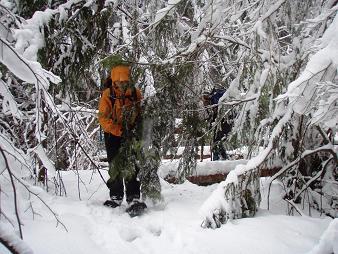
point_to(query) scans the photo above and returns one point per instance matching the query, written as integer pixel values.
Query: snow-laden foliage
(40, 132)
(293, 122)
(238, 196)
(328, 240)
(276, 59)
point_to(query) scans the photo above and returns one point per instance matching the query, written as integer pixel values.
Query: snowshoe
(136, 208)
(112, 203)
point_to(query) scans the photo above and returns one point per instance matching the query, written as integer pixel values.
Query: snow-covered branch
(15, 199)
(12, 242)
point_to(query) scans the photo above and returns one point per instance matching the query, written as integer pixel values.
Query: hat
(120, 73)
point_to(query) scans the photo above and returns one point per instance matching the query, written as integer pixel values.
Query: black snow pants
(116, 188)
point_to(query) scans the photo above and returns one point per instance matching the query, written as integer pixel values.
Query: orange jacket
(110, 118)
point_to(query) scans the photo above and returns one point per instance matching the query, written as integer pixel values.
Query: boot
(136, 208)
(112, 203)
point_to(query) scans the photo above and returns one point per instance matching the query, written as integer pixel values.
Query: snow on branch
(272, 10)
(321, 67)
(16, 63)
(328, 242)
(233, 40)
(321, 60)
(21, 160)
(9, 104)
(160, 14)
(220, 202)
(12, 242)
(15, 199)
(26, 70)
(258, 25)
(327, 109)
(33, 73)
(329, 148)
(40, 152)
(313, 91)
(323, 16)
(30, 38)
(14, 177)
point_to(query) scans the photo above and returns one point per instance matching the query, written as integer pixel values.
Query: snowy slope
(171, 227)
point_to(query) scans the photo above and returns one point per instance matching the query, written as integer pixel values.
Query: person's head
(120, 75)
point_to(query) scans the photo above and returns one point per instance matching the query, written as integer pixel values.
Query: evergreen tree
(257, 51)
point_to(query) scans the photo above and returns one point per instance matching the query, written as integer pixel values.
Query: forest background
(277, 61)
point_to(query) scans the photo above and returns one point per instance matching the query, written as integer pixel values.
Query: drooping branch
(44, 202)
(323, 134)
(14, 191)
(325, 148)
(13, 243)
(318, 175)
(26, 186)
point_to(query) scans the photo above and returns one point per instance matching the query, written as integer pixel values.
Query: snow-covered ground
(206, 167)
(170, 227)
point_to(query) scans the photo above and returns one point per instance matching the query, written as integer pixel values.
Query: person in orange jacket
(119, 109)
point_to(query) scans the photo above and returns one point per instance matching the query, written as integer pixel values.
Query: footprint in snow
(153, 227)
(128, 234)
(156, 231)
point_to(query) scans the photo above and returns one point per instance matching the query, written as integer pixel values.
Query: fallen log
(209, 179)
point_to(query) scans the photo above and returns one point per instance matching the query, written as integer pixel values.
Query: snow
(13, 240)
(216, 201)
(272, 9)
(148, 82)
(160, 14)
(40, 152)
(29, 71)
(314, 92)
(206, 167)
(264, 75)
(330, 37)
(318, 62)
(329, 241)
(170, 227)
(9, 103)
(30, 38)
(258, 27)
(11, 59)
(18, 161)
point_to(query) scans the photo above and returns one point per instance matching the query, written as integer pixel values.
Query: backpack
(132, 97)
(215, 95)
(226, 127)
(109, 84)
